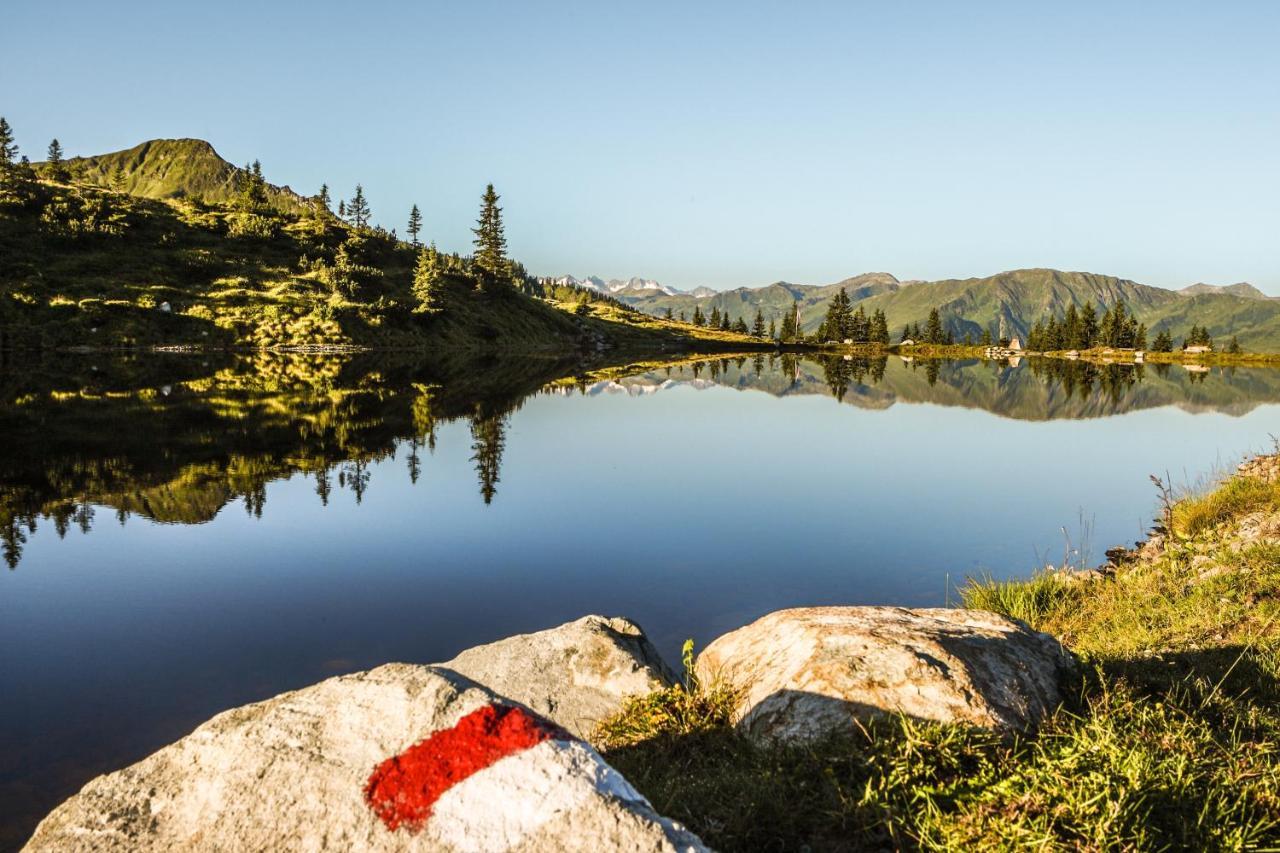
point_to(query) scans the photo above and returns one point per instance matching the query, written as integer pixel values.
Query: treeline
(1117, 328)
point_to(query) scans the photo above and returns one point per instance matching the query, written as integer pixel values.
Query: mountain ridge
(184, 167)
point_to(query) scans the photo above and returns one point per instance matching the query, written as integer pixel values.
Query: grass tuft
(1030, 600)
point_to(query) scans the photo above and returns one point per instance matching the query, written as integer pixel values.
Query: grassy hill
(153, 261)
(173, 169)
(1010, 303)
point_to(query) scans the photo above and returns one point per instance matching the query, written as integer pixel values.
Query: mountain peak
(175, 168)
(1243, 289)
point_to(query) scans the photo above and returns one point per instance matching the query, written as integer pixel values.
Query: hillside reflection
(176, 439)
(1028, 389)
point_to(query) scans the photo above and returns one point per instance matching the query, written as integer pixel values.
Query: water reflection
(176, 439)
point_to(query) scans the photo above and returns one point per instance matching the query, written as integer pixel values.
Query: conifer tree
(906, 333)
(839, 319)
(698, 319)
(757, 328)
(1234, 346)
(773, 330)
(57, 166)
(933, 331)
(1088, 335)
(342, 209)
(668, 314)
(323, 197)
(415, 225)
(358, 208)
(8, 147)
(490, 239)
(117, 178)
(715, 317)
(740, 326)
(879, 328)
(427, 283)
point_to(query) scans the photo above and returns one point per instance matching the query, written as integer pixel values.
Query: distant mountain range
(1007, 304)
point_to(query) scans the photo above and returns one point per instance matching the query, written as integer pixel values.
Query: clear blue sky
(719, 144)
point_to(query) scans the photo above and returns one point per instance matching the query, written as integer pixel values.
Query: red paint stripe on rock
(402, 789)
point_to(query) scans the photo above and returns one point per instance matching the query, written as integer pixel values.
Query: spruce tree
(1088, 335)
(57, 166)
(1234, 346)
(668, 314)
(773, 330)
(358, 208)
(698, 319)
(906, 333)
(415, 225)
(117, 178)
(342, 209)
(427, 284)
(757, 328)
(323, 196)
(490, 239)
(933, 331)
(839, 318)
(8, 147)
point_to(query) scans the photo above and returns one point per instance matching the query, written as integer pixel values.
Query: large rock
(805, 672)
(398, 758)
(575, 675)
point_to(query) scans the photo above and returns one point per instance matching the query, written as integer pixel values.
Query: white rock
(805, 672)
(290, 773)
(575, 675)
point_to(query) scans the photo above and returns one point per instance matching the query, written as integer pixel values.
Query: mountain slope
(175, 168)
(774, 300)
(1006, 304)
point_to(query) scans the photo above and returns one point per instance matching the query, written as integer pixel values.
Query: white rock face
(296, 772)
(810, 671)
(575, 675)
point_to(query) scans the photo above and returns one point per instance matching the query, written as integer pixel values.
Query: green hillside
(1010, 303)
(86, 266)
(173, 169)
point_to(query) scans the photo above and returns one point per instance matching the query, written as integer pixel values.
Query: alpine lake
(186, 533)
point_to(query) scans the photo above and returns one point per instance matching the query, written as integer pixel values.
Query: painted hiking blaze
(402, 789)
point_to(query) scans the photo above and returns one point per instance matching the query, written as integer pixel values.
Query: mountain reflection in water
(174, 439)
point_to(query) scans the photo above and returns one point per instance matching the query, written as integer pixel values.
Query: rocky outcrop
(398, 758)
(805, 672)
(575, 675)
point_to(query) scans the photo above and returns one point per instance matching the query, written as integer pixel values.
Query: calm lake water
(185, 536)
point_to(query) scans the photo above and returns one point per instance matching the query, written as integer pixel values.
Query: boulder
(397, 758)
(575, 675)
(806, 672)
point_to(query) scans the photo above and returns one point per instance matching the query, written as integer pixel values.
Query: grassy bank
(1169, 741)
(1208, 359)
(83, 266)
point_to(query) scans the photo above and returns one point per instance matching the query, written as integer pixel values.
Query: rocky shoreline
(298, 771)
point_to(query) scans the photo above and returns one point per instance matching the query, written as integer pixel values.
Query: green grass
(1169, 739)
(1238, 496)
(1028, 600)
